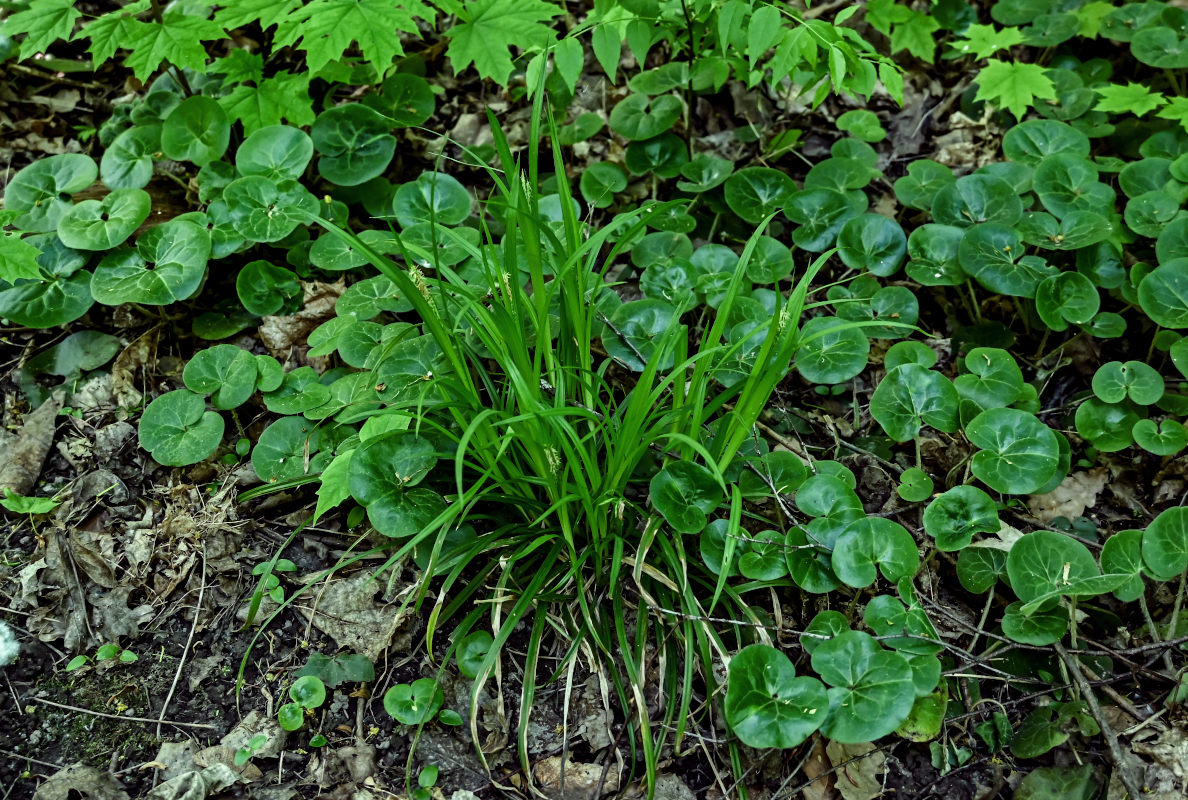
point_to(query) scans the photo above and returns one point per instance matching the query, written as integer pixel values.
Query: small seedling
(253, 746)
(272, 585)
(105, 652)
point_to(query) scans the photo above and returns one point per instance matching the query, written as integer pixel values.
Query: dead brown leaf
(1075, 493)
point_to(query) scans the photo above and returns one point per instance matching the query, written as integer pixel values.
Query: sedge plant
(553, 445)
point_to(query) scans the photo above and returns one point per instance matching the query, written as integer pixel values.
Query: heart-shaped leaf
(432, 197)
(994, 379)
(933, 251)
(415, 703)
(405, 99)
(354, 142)
(1122, 554)
(41, 191)
(639, 117)
(264, 288)
(685, 493)
(832, 350)
(635, 332)
(766, 704)
(873, 690)
(275, 152)
(975, 199)
(875, 542)
(754, 193)
(1031, 141)
(197, 130)
(911, 396)
(872, 242)
(103, 224)
(1165, 543)
(167, 265)
(287, 449)
(1163, 294)
(993, 255)
(178, 430)
(1018, 453)
(1163, 439)
(61, 295)
(1117, 381)
(924, 179)
(953, 518)
(1069, 297)
(128, 162)
(821, 213)
(226, 372)
(262, 210)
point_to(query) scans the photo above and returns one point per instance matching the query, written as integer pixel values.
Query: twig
(22, 757)
(181, 662)
(65, 707)
(1112, 746)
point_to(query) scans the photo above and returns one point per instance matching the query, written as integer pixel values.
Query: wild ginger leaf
(284, 96)
(111, 31)
(487, 29)
(1014, 86)
(326, 29)
(1133, 97)
(177, 39)
(44, 22)
(18, 259)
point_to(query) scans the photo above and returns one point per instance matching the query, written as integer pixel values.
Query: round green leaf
(291, 716)
(873, 243)
(915, 485)
(974, 199)
(704, 172)
(1069, 297)
(1107, 425)
(1122, 554)
(766, 704)
(911, 396)
(1165, 439)
(1040, 628)
(994, 379)
(415, 703)
(953, 518)
(639, 117)
(264, 288)
(862, 124)
(287, 449)
(300, 392)
(754, 193)
(1018, 453)
(178, 430)
(432, 197)
(872, 692)
(1117, 381)
(1046, 564)
(103, 224)
(600, 182)
(821, 213)
(1031, 141)
(308, 691)
(664, 155)
(635, 331)
(902, 353)
(262, 210)
(197, 130)
(354, 142)
(406, 99)
(225, 372)
(685, 493)
(831, 350)
(167, 265)
(41, 191)
(979, 568)
(771, 261)
(875, 542)
(993, 255)
(924, 179)
(1064, 183)
(841, 174)
(934, 253)
(275, 152)
(128, 162)
(763, 558)
(1163, 294)
(1160, 47)
(471, 652)
(1165, 544)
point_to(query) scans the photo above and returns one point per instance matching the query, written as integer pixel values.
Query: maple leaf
(44, 22)
(915, 35)
(1176, 109)
(1131, 98)
(983, 41)
(284, 96)
(245, 12)
(882, 14)
(326, 29)
(1014, 86)
(18, 259)
(239, 66)
(1090, 16)
(111, 31)
(490, 28)
(177, 39)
